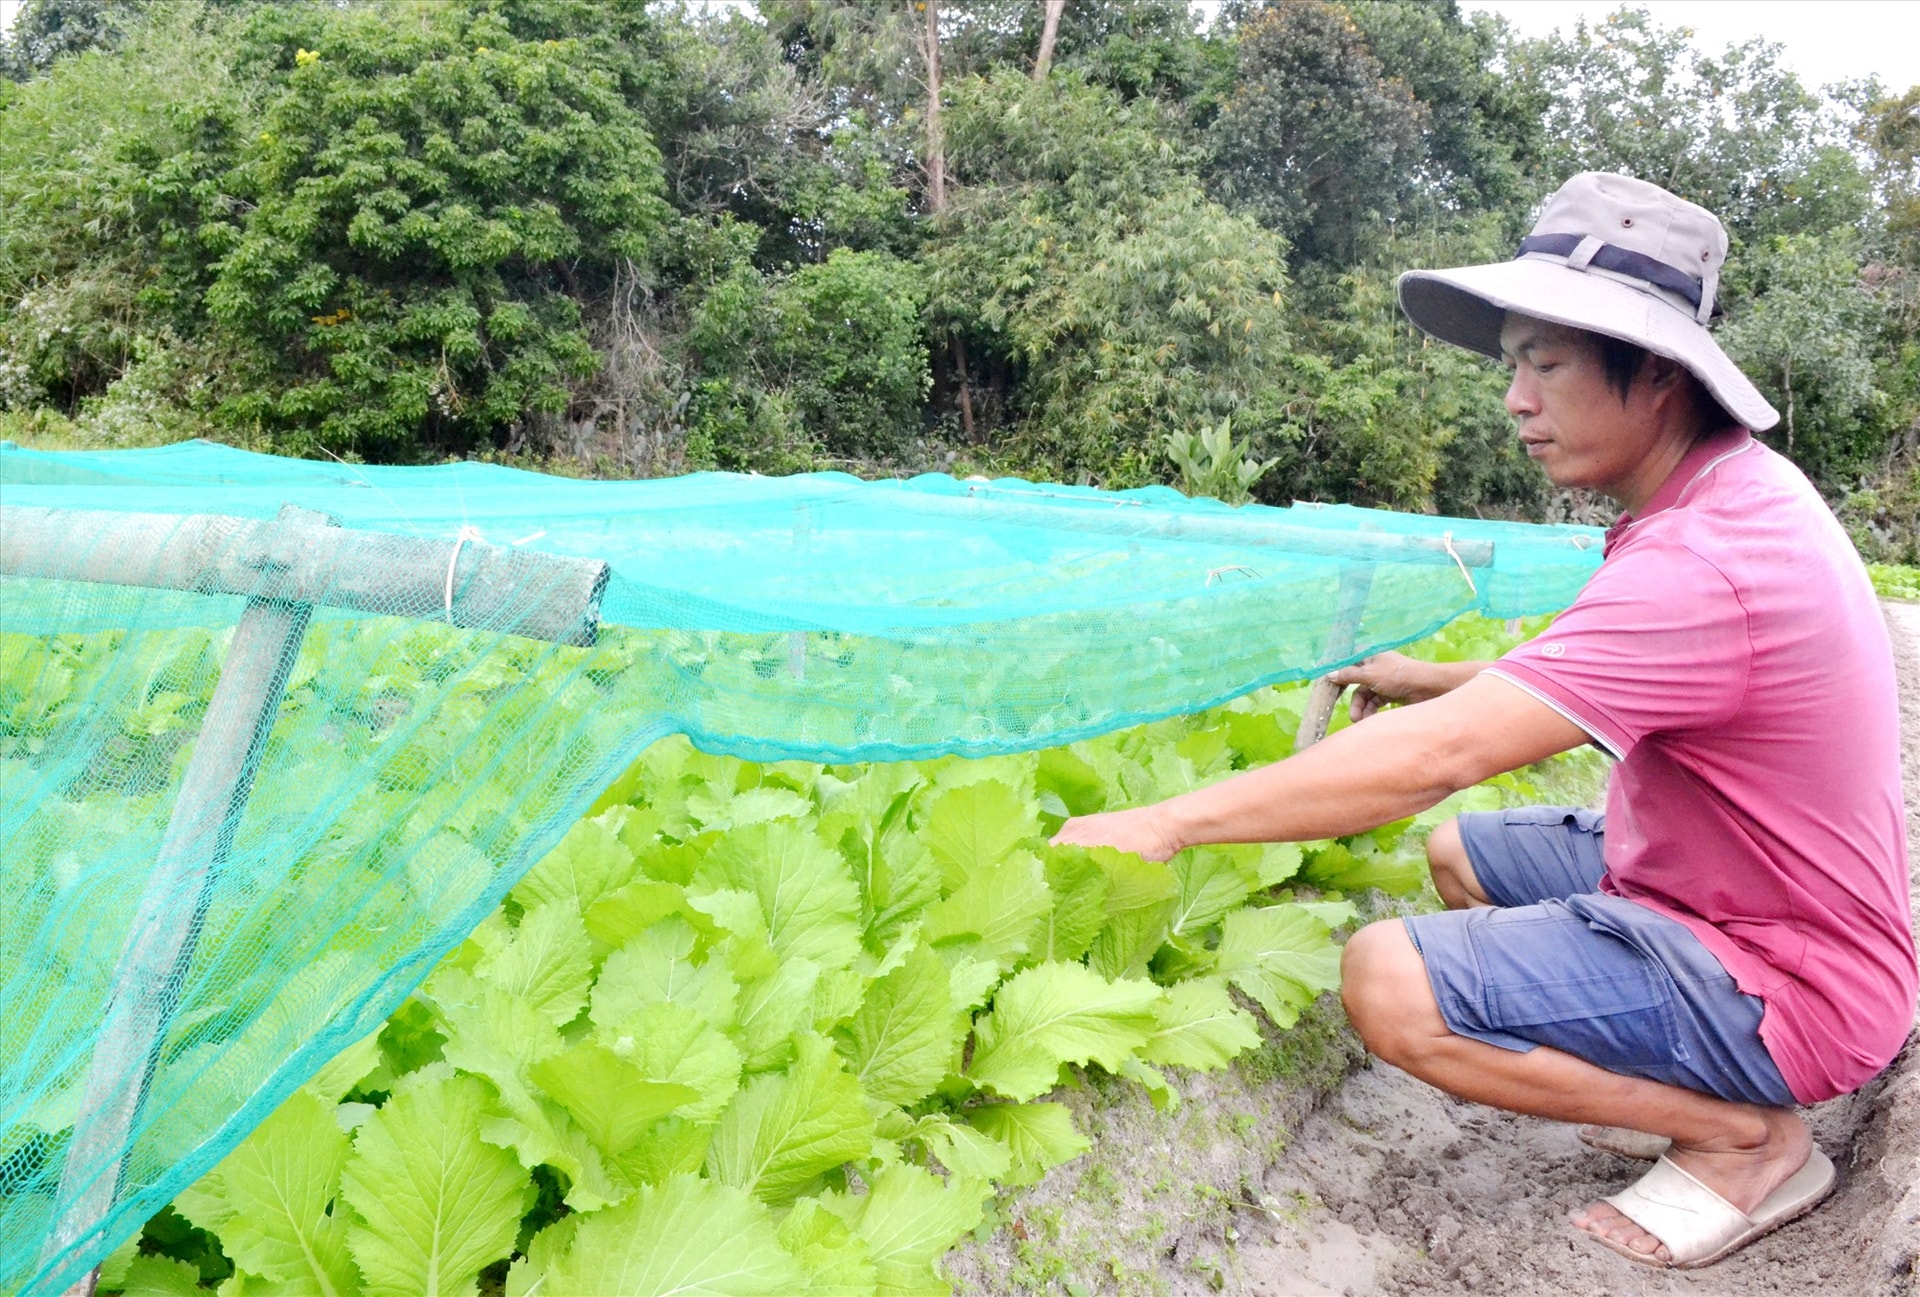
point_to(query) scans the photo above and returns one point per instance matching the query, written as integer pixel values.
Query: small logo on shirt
(1552, 650)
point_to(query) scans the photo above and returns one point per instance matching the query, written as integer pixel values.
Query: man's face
(1571, 420)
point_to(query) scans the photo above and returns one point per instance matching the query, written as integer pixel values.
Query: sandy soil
(1397, 1189)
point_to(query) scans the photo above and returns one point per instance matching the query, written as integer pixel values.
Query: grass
(1895, 581)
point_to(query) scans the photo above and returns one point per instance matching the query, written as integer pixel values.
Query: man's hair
(1621, 361)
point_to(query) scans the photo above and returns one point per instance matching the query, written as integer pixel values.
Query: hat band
(1621, 261)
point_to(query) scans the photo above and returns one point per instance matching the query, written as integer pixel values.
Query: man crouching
(1733, 937)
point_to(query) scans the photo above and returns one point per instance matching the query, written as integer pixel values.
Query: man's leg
(1453, 874)
(1742, 1151)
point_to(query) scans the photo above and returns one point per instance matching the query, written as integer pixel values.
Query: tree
(46, 30)
(1315, 140)
(1735, 132)
(1807, 334)
(420, 205)
(1107, 299)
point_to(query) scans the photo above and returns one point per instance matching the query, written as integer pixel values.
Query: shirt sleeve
(1657, 642)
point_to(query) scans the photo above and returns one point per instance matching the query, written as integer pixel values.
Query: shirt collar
(1701, 457)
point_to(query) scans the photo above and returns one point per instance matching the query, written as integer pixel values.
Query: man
(1734, 936)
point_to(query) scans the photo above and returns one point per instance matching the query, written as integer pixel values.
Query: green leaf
(620, 915)
(1199, 1026)
(435, 1204)
(1213, 880)
(689, 1237)
(1141, 895)
(786, 1129)
(836, 1260)
(662, 966)
(671, 1043)
(1000, 903)
(274, 1191)
(976, 826)
(547, 959)
(607, 1095)
(345, 1069)
(1278, 862)
(1339, 867)
(772, 1009)
(162, 1276)
(1039, 1136)
(909, 1221)
(499, 1036)
(1283, 956)
(1260, 738)
(668, 1147)
(1076, 785)
(962, 1149)
(1053, 1014)
(589, 863)
(808, 898)
(1078, 886)
(901, 1039)
(527, 1276)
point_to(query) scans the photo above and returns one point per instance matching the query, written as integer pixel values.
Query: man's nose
(1523, 398)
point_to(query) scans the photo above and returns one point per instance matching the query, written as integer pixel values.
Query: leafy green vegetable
(433, 1203)
(1058, 1013)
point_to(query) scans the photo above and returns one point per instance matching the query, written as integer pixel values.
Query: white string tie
(1446, 538)
(1581, 542)
(1219, 572)
(466, 533)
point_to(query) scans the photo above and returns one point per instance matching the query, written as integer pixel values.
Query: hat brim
(1468, 306)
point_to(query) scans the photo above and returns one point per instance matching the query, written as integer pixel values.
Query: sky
(1824, 40)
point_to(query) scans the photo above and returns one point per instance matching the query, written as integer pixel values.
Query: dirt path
(1394, 1188)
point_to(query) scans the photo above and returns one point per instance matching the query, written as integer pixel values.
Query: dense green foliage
(622, 238)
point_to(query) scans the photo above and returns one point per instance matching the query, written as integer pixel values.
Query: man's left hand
(1141, 831)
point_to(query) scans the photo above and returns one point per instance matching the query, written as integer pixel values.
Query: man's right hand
(1396, 678)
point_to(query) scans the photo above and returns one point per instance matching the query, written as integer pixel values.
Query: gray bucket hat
(1610, 254)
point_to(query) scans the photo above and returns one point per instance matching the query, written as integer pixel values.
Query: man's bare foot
(1741, 1170)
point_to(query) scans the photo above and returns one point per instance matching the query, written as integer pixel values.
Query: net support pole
(284, 568)
(159, 946)
(1356, 584)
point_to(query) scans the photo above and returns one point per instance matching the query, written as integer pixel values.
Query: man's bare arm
(1397, 764)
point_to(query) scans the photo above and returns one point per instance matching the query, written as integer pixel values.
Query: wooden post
(284, 568)
(1356, 583)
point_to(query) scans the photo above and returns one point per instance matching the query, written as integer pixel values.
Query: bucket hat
(1609, 254)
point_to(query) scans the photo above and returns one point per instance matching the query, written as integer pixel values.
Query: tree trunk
(1047, 33)
(937, 189)
(966, 396)
(936, 143)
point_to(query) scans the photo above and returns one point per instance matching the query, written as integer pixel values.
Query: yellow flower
(304, 57)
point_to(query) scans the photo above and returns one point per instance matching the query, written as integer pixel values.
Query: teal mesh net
(276, 734)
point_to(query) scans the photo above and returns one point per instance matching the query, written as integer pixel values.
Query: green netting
(455, 660)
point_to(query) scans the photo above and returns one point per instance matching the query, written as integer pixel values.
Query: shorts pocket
(1596, 996)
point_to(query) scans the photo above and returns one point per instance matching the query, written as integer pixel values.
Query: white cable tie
(1446, 538)
(1218, 572)
(528, 540)
(1581, 542)
(465, 534)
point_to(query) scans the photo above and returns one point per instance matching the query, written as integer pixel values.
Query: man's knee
(1453, 875)
(1384, 987)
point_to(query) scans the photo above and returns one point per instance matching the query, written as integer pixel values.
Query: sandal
(1697, 1225)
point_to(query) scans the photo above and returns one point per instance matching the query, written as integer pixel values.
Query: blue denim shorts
(1558, 963)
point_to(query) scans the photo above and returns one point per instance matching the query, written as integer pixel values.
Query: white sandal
(1697, 1225)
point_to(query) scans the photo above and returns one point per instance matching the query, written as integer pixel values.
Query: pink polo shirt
(1731, 653)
